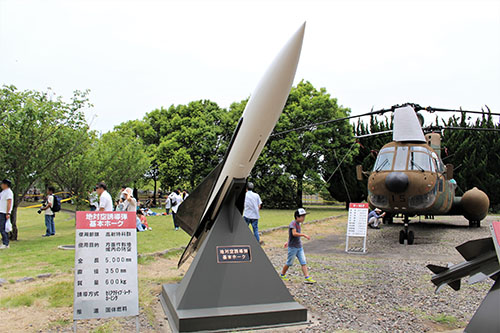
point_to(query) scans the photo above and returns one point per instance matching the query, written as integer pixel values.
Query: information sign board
(495, 232)
(234, 254)
(357, 223)
(105, 265)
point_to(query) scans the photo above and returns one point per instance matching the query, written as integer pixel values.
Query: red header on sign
(105, 220)
(496, 230)
(358, 205)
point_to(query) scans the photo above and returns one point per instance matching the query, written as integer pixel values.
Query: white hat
(300, 212)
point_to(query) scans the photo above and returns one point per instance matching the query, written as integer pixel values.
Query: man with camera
(94, 200)
(49, 214)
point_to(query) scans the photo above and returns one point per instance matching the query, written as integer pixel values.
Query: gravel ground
(388, 289)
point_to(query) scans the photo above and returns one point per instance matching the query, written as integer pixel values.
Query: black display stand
(220, 294)
(487, 319)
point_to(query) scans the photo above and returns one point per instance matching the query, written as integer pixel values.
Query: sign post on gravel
(357, 226)
(105, 266)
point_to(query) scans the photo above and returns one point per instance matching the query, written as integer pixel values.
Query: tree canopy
(295, 157)
(38, 134)
(46, 140)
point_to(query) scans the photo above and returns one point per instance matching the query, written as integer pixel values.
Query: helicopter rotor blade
(416, 107)
(433, 109)
(479, 129)
(372, 134)
(378, 112)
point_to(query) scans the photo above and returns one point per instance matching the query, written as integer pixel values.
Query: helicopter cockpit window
(422, 149)
(384, 159)
(439, 164)
(419, 160)
(401, 156)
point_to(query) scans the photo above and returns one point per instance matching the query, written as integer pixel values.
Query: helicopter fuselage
(410, 179)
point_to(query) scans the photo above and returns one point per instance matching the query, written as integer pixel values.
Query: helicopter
(409, 177)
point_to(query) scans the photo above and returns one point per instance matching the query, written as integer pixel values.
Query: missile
(481, 262)
(198, 212)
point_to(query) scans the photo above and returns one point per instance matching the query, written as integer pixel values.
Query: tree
(342, 182)
(78, 174)
(303, 154)
(193, 140)
(37, 134)
(474, 155)
(149, 131)
(121, 158)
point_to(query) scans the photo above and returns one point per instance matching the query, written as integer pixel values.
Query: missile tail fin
(478, 277)
(436, 269)
(438, 289)
(455, 285)
(474, 248)
(191, 210)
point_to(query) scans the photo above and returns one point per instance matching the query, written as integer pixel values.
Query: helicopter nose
(396, 182)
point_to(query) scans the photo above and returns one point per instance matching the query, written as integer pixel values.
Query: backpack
(56, 206)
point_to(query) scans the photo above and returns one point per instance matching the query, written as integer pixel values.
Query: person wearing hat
(6, 204)
(251, 215)
(128, 202)
(375, 218)
(294, 245)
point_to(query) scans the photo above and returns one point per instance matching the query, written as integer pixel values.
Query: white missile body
(199, 211)
(260, 116)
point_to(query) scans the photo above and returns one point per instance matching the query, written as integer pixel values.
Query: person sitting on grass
(294, 245)
(138, 222)
(144, 220)
(375, 218)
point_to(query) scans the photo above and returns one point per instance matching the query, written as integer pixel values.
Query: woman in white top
(168, 204)
(129, 203)
(176, 202)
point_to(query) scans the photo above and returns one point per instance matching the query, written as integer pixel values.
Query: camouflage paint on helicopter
(409, 178)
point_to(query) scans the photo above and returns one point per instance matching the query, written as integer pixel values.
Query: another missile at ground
(481, 263)
(198, 212)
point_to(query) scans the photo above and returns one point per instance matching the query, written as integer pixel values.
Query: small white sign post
(105, 266)
(357, 225)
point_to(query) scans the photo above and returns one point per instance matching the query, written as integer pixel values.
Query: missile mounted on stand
(231, 283)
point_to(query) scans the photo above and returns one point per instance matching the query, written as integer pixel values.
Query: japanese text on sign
(233, 254)
(358, 219)
(105, 265)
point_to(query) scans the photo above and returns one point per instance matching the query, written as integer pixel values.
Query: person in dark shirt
(375, 218)
(294, 245)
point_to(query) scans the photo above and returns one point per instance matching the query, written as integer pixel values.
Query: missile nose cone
(269, 97)
(396, 182)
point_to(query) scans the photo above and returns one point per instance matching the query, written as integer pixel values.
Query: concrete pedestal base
(231, 283)
(232, 317)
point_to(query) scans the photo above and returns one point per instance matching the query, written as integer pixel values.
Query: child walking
(294, 245)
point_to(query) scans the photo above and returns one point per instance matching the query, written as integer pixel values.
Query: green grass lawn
(32, 254)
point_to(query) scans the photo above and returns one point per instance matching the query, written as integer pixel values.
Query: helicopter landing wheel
(411, 237)
(402, 237)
